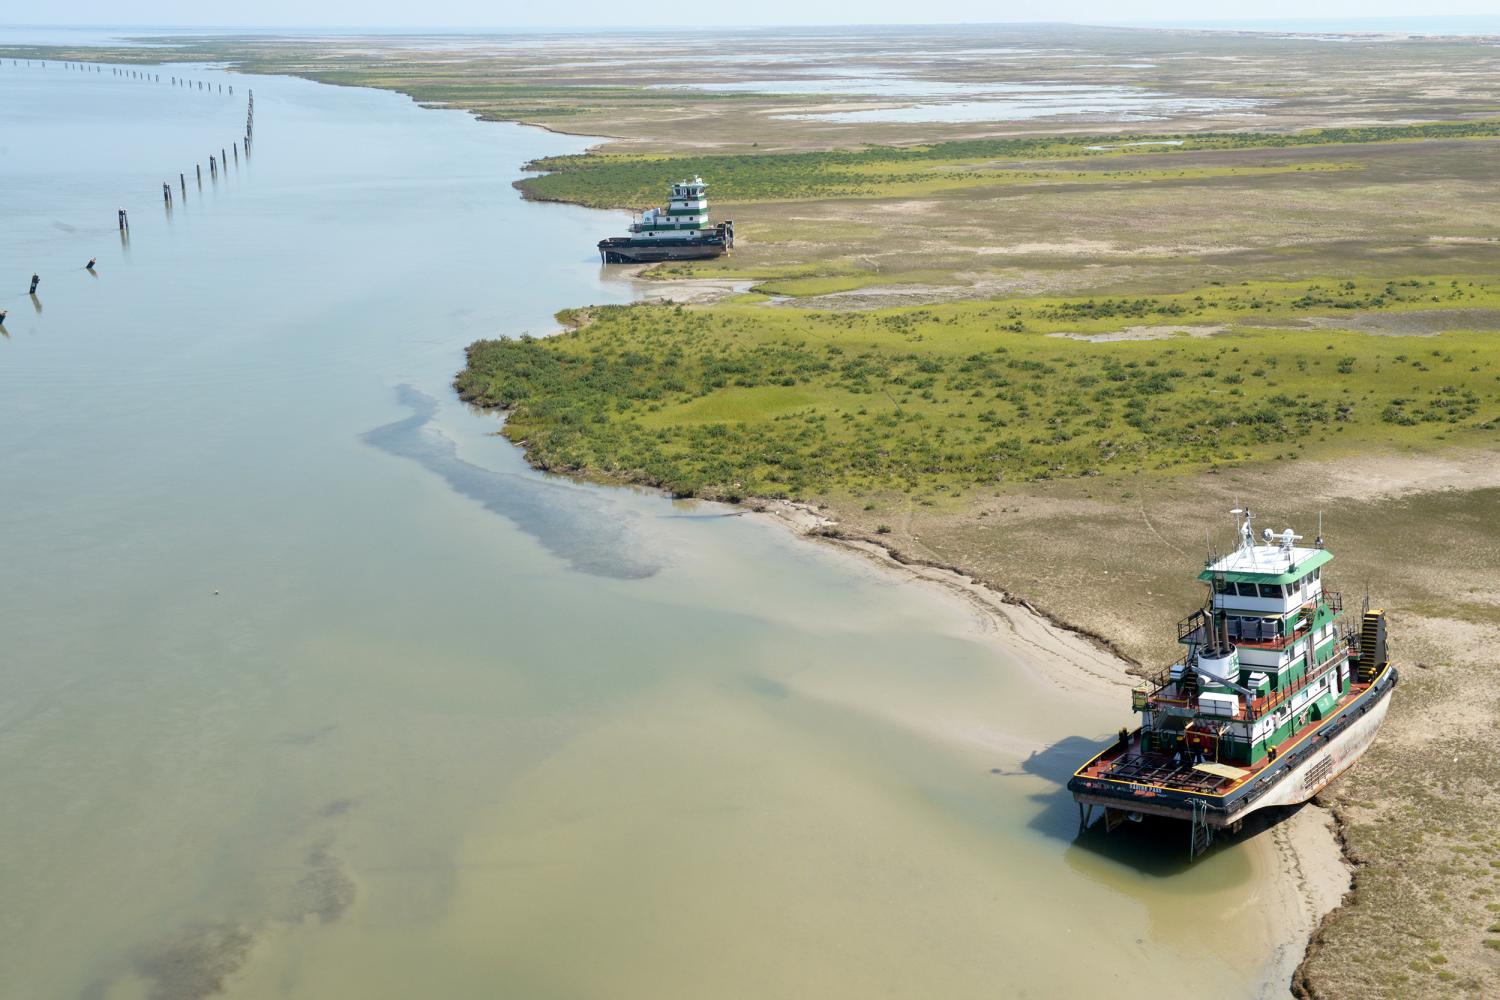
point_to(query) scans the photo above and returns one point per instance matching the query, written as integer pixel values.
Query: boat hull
(1310, 778)
(626, 251)
(1326, 753)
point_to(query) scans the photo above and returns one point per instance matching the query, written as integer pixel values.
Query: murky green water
(309, 688)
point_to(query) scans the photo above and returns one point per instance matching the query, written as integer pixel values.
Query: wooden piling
(183, 179)
(199, 167)
(36, 279)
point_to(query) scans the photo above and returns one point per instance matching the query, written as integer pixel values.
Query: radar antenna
(1247, 534)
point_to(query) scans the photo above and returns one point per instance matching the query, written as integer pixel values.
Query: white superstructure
(685, 217)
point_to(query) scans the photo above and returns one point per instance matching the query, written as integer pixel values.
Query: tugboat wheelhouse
(680, 231)
(1272, 699)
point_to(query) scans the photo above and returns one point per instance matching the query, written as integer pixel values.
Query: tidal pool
(1020, 102)
(311, 688)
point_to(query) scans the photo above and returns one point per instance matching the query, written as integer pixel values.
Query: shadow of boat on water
(1155, 847)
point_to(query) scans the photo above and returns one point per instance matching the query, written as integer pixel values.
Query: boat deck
(1130, 764)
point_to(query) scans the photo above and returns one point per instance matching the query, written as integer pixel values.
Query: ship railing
(1261, 637)
(1197, 622)
(1268, 703)
(1163, 677)
(1257, 634)
(1162, 680)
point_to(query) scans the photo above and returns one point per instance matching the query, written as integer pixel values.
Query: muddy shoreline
(1308, 843)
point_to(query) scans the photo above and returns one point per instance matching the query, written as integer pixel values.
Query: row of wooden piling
(215, 163)
(135, 74)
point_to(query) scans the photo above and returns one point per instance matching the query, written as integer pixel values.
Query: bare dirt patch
(1415, 323)
(1147, 333)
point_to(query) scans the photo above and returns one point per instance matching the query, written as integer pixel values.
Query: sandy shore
(1300, 863)
(678, 291)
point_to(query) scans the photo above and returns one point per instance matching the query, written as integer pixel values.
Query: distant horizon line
(1327, 23)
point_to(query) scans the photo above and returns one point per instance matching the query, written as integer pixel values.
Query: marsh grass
(741, 400)
(636, 180)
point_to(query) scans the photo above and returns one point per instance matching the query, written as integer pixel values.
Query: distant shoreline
(1436, 25)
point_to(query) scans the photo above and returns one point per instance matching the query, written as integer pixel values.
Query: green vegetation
(741, 400)
(622, 179)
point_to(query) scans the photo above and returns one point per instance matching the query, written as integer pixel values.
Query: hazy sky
(580, 13)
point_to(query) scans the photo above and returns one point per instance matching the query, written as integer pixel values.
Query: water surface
(1022, 102)
(310, 688)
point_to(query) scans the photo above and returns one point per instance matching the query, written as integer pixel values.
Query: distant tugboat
(1272, 701)
(681, 231)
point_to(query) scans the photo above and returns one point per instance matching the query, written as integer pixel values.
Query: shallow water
(974, 100)
(311, 688)
(870, 81)
(1021, 102)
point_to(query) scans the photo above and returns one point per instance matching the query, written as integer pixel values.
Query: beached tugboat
(681, 231)
(1274, 698)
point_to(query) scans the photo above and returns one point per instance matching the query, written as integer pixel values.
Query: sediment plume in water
(565, 519)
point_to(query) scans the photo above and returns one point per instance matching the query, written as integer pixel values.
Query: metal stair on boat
(1372, 656)
(1202, 835)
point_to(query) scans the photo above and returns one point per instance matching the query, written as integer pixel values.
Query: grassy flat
(631, 180)
(738, 400)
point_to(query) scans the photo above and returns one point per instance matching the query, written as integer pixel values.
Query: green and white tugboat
(681, 231)
(1275, 697)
